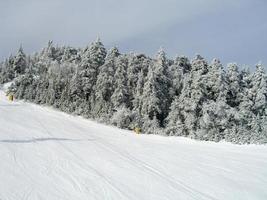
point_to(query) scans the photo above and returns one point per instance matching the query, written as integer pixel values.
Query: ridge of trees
(177, 97)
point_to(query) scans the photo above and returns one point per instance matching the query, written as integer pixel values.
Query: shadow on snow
(41, 140)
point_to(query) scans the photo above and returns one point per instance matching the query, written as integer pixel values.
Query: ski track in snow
(47, 154)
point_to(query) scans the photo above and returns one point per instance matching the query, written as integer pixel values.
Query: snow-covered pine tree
(7, 73)
(178, 70)
(19, 64)
(151, 108)
(151, 126)
(52, 76)
(120, 96)
(256, 109)
(64, 75)
(214, 120)
(264, 130)
(234, 83)
(122, 118)
(92, 58)
(139, 73)
(155, 98)
(24, 83)
(233, 98)
(186, 109)
(246, 120)
(135, 65)
(246, 78)
(242, 116)
(137, 102)
(105, 85)
(45, 58)
(59, 84)
(42, 89)
(259, 91)
(216, 81)
(49, 52)
(70, 54)
(76, 93)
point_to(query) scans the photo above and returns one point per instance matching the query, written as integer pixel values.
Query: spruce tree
(92, 58)
(234, 83)
(156, 92)
(178, 70)
(214, 119)
(259, 91)
(120, 96)
(19, 64)
(186, 109)
(7, 73)
(136, 64)
(105, 84)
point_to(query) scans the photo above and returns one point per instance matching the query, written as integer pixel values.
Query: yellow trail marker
(137, 130)
(10, 97)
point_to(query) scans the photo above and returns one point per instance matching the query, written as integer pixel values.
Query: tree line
(174, 97)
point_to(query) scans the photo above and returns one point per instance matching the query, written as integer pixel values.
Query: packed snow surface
(46, 154)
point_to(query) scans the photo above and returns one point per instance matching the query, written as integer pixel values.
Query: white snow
(46, 154)
(6, 86)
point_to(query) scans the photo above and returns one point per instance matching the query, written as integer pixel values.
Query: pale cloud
(76, 23)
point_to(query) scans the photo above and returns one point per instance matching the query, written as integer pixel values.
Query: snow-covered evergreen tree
(24, 85)
(92, 58)
(178, 70)
(69, 55)
(136, 64)
(192, 97)
(155, 98)
(122, 118)
(151, 99)
(234, 82)
(120, 96)
(19, 63)
(7, 72)
(105, 84)
(259, 91)
(214, 119)
(137, 102)
(48, 52)
(151, 126)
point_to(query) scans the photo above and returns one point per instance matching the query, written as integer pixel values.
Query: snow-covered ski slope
(46, 154)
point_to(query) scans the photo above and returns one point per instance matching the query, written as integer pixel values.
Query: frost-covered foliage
(176, 97)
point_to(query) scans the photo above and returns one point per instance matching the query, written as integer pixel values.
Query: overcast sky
(232, 30)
